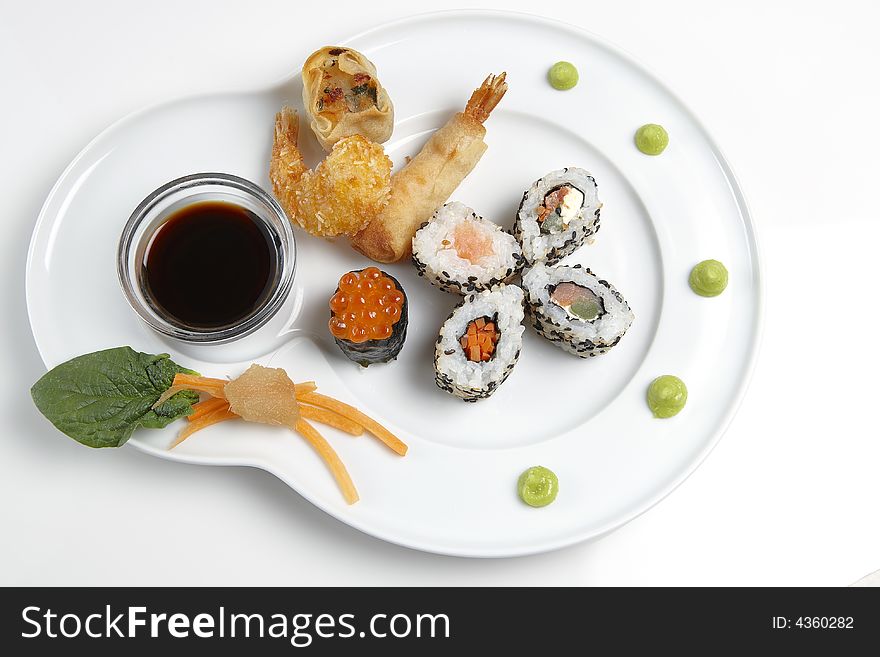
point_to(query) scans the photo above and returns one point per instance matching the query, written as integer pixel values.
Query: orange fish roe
(366, 306)
(480, 339)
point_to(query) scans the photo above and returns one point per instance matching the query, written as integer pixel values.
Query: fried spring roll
(429, 179)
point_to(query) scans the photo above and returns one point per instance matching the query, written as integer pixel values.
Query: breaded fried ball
(346, 190)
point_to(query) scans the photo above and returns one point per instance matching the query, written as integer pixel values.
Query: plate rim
(353, 521)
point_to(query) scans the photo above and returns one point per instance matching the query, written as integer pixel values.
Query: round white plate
(454, 492)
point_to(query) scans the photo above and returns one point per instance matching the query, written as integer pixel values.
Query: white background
(790, 495)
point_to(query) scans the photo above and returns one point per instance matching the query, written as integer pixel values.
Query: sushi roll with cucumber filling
(369, 316)
(480, 343)
(575, 310)
(460, 252)
(557, 215)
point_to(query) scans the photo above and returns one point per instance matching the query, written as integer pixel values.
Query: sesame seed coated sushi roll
(460, 252)
(368, 316)
(480, 343)
(557, 215)
(575, 310)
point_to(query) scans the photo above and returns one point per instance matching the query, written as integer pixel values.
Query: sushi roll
(368, 316)
(575, 310)
(480, 343)
(557, 215)
(460, 252)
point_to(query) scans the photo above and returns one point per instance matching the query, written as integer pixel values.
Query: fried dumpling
(343, 97)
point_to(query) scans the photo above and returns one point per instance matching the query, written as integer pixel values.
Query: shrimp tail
(287, 125)
(286, 167)
(484, 99)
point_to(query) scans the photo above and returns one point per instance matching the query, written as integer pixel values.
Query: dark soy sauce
(210, 265)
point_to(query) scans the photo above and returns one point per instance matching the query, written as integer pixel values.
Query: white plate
(587, 420)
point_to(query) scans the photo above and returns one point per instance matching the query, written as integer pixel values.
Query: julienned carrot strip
(322, 415)
(331, 458)
(213, 387)
(352, 413)
(206, 420)
(330, 418)
(194, 378)
(206, 406)
(304, 387)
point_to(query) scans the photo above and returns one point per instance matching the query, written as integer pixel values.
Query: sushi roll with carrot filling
(479, 343)
(576, 310)
(557, 215)
(460, 252)
(368, 316)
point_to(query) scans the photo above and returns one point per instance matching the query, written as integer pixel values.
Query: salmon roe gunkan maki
(368, 316)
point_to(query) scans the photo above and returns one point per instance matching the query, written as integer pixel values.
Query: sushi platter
(544, 231)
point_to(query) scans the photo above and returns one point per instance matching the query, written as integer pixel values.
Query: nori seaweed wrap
(368, 316)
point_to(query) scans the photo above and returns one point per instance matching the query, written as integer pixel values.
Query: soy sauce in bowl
(210, 264)
(208, 258)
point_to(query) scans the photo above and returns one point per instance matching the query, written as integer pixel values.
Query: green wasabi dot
(651, 139)
(537, 486)
(562, 76)
(667, 395)
(708, 278)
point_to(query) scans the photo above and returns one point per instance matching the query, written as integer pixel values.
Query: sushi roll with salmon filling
(557, 215)
(368, 316)
(575, 310)
(460, 252)
(480, 343)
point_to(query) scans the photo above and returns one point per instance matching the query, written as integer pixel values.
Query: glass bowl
(168, 199)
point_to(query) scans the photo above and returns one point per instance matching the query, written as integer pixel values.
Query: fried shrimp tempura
(344, 192)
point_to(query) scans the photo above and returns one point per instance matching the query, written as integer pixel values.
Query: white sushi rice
(436, 257)
(552, 247)
(467, 379)
(580, 337)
